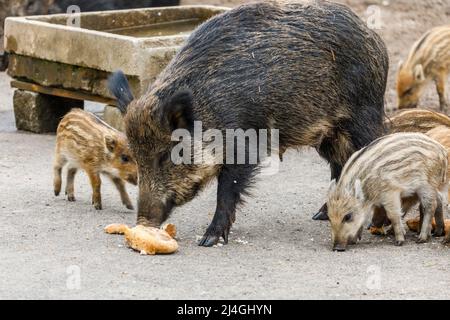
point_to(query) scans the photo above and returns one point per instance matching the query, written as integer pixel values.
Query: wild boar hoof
(213, 234)
(129, 206)
(71, 198)
(208, 240)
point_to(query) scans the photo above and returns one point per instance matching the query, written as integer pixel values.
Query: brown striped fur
(442, 135)
(428, 60)
(393, 173)
(85, 142)
(416, 120)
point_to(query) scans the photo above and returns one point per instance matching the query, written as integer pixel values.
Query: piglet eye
(125, 158)
(408, 92)
(348, 217)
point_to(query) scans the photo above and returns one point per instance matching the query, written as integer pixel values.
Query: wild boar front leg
(440, 86)
(322, 214)
(232, 181)
(96, 182)
(328, 152)
(120, 185)
(393, 209)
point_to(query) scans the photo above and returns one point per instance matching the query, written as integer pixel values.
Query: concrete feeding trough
(56, 64)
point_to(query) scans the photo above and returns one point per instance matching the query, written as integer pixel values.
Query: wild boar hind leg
(232, 182)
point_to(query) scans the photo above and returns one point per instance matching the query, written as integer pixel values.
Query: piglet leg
(57, 169)
(439, 230)
(120, 185)
(393, 209)
(70, 188)
(96, 182)
(428, 208)
(440, 86)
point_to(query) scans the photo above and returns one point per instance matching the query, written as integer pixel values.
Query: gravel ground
(275, 249)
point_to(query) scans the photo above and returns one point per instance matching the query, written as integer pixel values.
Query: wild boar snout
(153, 209)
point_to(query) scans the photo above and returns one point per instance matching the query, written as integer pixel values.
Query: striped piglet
(390, 176)
(84, 141)
(428, 60)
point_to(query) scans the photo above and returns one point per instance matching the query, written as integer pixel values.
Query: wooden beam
(64, 93)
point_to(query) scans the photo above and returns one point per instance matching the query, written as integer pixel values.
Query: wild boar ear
(332, 186)
(177, 110)
(359, 194)
(120, 88)
(110, 143)
(419, 74)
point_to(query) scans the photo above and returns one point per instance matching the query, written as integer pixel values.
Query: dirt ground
(54, 249)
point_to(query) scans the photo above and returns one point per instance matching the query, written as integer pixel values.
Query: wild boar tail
(120, 88)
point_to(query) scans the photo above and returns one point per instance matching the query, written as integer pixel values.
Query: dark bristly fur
(312, 70)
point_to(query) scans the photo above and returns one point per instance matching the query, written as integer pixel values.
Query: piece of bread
(147, 240)
(413, 225)
(150, 240)
(170, 229)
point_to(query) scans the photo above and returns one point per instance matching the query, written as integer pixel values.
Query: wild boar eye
(163, 158)
(124, 158)
(348, 217)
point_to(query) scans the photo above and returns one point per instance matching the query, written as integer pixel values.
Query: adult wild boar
(312, 70)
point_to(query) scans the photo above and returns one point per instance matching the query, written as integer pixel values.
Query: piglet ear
(110, 143)
(120, 88)
(419, 74)
(359, 194)
(178, 110)
(332, 186)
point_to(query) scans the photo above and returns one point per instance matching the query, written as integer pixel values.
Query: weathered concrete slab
(50, 52)
(54, 74)
(40, 113)
(94, 45)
